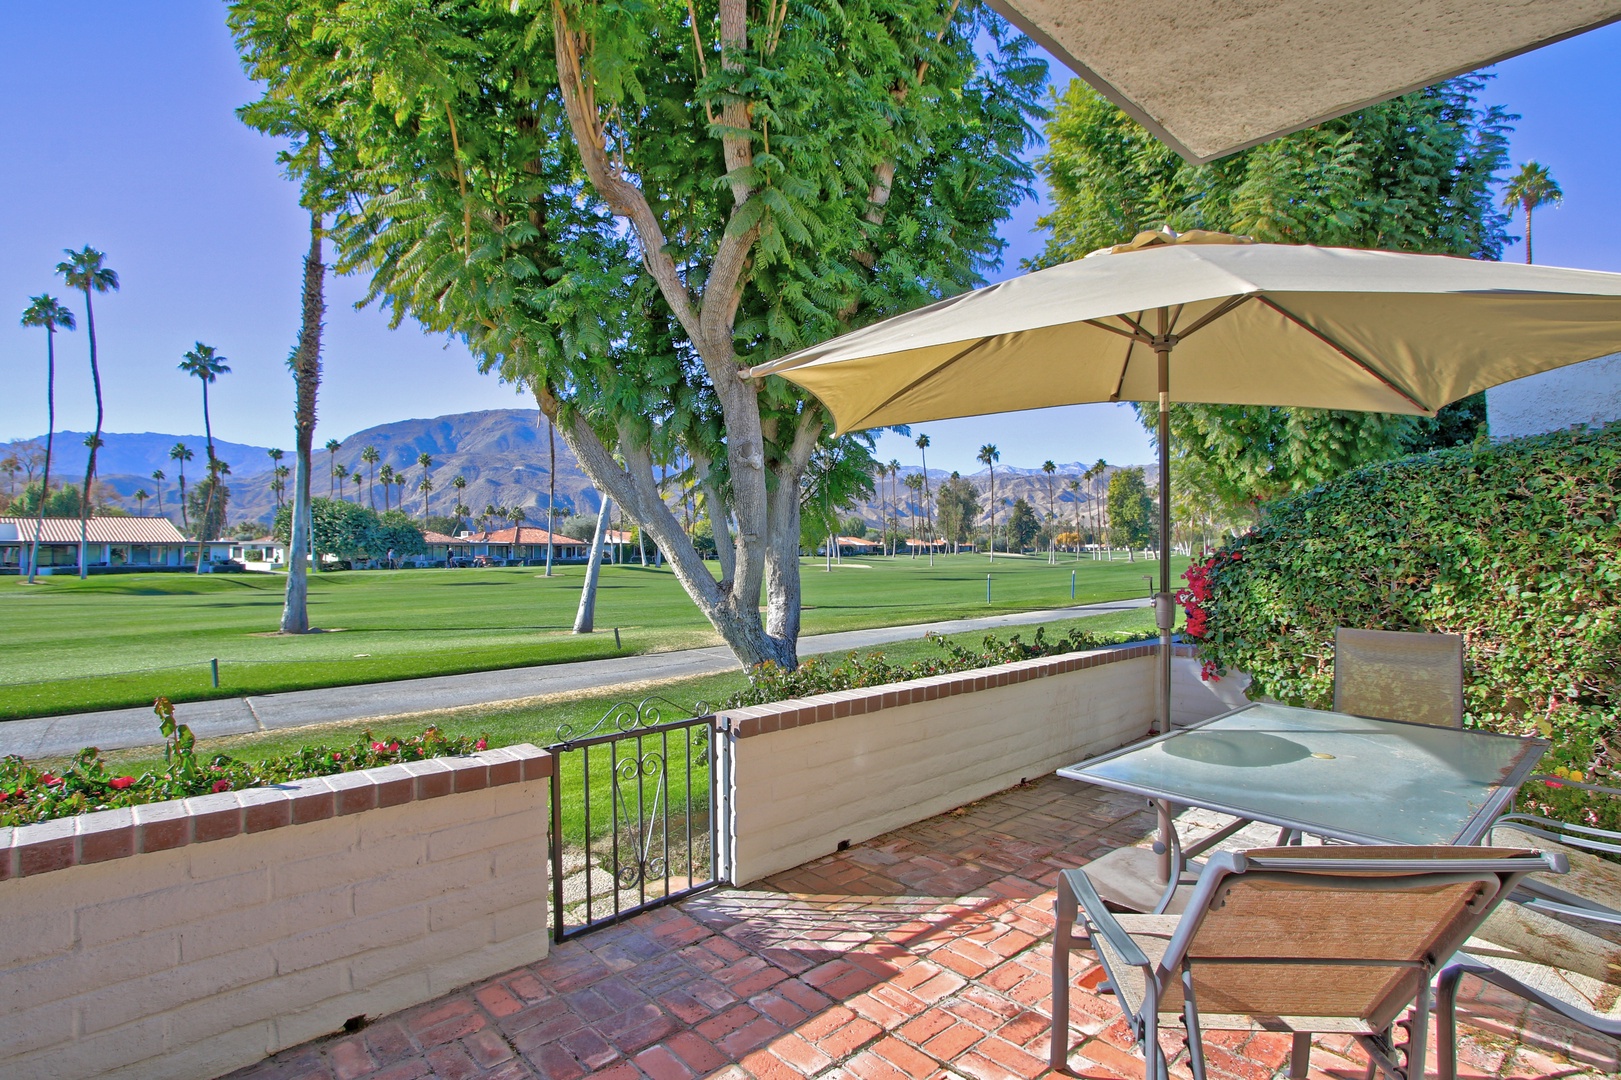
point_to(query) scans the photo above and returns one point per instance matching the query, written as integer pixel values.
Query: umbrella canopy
(1214, 77)
(1253, 324)
(1207, 317)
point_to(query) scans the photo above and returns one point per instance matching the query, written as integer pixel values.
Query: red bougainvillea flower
(48, 779)
(394, 747)
(221, 785)
(119, 783)
(481, 745)
(378, 747)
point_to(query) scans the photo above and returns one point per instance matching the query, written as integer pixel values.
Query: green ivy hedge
(1514, 545)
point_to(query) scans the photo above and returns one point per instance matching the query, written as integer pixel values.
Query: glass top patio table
(1333, 774)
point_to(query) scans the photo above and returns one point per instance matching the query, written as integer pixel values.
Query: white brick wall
(194, 961)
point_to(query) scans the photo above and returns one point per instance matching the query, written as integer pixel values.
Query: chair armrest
(1102, 921)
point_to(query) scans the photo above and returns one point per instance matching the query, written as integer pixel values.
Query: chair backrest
(1334, 931)
(1394, 675)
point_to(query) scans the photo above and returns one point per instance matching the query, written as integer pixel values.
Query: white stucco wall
(1587, 393)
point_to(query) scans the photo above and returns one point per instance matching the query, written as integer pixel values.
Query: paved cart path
(115, 729)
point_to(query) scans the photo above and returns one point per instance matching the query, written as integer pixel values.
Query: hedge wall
(1515, 545)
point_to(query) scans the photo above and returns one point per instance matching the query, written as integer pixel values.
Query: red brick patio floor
(920, 954)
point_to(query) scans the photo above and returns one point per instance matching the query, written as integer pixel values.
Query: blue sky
(118, 124)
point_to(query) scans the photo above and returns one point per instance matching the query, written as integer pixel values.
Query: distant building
(523, 544)
(1588, 393)
(112, 542)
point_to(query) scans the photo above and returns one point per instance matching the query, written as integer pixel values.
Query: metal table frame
(1173, 856)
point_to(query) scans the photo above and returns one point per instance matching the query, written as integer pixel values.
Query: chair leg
(1300, 1055)
(1418, 1033)
(1446, 1022)
(1063, 941)
(1190, 1019)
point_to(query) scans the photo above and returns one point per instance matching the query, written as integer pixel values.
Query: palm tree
(332, 448)
(355, 478)
(276, 474)
(278, 484)
(895, 492)
(1530, 188)
(340, 473)
(157, 479)
(460, 484)
(140, 498)
(988, 456)
(386, 475)
(1052, 501)
(44, 310)
(425, 460)
(206, 365)
(180, 453)
(85, 269)
(371, 457)
(305, 363)
(1075, 493)
(914, 484)
(922, 442)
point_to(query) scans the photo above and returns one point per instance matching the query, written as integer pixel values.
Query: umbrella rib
(915, 383)
(1215, 313)
(1343, 351)
(1139, 335)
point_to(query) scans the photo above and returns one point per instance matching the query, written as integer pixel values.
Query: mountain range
(502, 454)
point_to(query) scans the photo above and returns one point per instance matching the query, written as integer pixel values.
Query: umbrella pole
(1164, 607)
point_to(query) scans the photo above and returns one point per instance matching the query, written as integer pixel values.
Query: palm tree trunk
(307, 375)
(551, 491)
(585, 618)
(990, 533)
(50, 434)
(1528, 234)
(95, 440)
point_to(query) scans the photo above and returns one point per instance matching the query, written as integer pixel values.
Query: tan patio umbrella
(1213, 77)
(1206, 317)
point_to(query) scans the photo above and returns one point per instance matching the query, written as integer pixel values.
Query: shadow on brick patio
(922, 953)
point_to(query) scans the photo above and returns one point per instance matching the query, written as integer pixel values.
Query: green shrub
(768, 682)
(1516, 546)
(29, 794)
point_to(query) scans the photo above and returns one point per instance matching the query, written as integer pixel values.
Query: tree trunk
(551, 491)
(585, 618)
(307, 379)
(721, 525)
(90, 463)
(50, 434)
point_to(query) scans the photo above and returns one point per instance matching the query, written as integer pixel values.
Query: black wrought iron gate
(638, 814)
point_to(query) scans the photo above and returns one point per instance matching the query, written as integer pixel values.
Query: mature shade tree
(1416, 173)
(988, 456)
(206, 365)
(371, 457)
(618, 208)
(86, 270)
(46, 311)
(1131, 510)
(180, 453)
(1528, 189)
(1022, 525)
(958, 503)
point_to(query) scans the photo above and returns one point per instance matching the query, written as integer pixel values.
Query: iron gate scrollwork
(637, 813)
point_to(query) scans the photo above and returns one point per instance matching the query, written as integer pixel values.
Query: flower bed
(29, 795)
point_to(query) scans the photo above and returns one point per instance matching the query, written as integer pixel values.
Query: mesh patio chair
(1558, 943)
(1304, 940)
(1394, 675)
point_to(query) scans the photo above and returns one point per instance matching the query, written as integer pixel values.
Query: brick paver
(921, 954)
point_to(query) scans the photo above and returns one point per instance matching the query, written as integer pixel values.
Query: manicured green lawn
(573, 716)
(114, 641)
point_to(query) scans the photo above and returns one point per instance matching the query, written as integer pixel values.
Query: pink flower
(48, 780)
(394, 747)
(378, 747)
(482, 744)
(336, 756)
(119, 783)
(221, 785)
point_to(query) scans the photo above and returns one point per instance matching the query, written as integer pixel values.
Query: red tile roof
(523, 534)
(99, 530)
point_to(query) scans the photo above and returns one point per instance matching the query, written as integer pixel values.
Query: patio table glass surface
(1354, 779)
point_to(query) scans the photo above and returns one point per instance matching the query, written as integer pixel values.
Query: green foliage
(351, 531)
(206, 516)
(29, 795)
(63, 501)
(819, 675)
(1131, 509)
(1512, 545)
(956, 507)
(1412, 174)
(1022, 525)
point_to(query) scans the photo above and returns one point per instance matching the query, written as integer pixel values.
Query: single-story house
(925, 545)
(852, 545)
(524, 544)
(113, 541)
